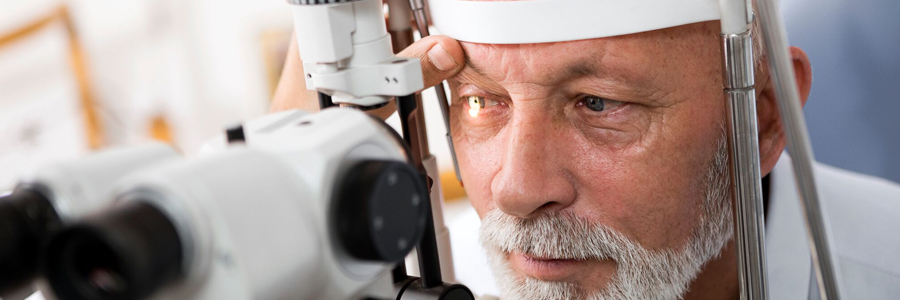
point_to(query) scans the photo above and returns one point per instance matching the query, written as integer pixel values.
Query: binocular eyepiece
(127, 252)
(44, 202)
(133, 250)
(27, 219)
(321, 217)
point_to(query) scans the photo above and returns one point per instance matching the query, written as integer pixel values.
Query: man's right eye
(478, 103)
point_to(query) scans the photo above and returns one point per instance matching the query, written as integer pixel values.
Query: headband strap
(542, 21)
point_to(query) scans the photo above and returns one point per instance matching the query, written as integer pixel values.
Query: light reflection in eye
(476, 104)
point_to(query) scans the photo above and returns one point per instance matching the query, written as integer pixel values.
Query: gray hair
(663, 274)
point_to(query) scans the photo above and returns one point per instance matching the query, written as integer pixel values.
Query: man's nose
(533, 176)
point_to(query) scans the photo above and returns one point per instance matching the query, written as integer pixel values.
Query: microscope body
(234, 245)
(300, 156)
(83, 186)
(347, 52)
(252, 219)
(302, 206)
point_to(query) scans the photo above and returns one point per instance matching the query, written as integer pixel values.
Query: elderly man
(599, 169)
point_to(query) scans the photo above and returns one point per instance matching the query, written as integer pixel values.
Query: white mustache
(641, 274)
(554, 235)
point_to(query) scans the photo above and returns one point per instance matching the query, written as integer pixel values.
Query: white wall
(197, 63)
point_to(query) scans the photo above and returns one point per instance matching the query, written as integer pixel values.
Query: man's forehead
(631, 58)
(532, 60)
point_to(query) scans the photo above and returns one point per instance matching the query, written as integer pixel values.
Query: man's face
(617, 132)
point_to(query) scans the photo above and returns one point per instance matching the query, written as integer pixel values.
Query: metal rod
(398, 274)
(429, 259)
(422, 130)
(399, 26)
(400, 14)
(401, 37)
(788, 98)
(325, 101)
(743, 142)
(418, 7)
(427, 250)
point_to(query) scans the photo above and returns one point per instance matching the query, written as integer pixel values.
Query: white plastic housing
(246, 229)
(347, 53)
(83, 186)
(254, 216)
(544, 21)
(736, 15)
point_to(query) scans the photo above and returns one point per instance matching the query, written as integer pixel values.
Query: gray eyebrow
(579, 69)
(585, 68)
(477, 70)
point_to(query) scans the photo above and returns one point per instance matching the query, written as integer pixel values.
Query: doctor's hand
(441, 57)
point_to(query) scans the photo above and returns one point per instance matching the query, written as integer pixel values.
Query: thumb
(441, 58)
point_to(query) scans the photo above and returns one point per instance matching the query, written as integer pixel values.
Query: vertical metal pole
(401, 37)
(743, 141)
(782, 73)
(429, 258)
(418, 7)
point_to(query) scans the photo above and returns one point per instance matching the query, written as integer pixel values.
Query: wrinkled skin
(636, 167)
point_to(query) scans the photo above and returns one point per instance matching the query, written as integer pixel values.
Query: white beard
(641, 274)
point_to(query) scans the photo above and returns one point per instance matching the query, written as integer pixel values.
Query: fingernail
(440, 58)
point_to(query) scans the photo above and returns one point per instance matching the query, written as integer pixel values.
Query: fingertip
(441, 56)
(421, 48)
(451, 46)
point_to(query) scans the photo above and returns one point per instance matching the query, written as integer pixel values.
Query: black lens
(27, 219)
(127, 252)
(379, 210)
(95, 266)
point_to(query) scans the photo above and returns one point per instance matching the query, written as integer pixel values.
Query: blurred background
(853, 112)
(80, 75)
(86, 74)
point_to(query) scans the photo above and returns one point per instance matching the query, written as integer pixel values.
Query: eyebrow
(480, 79)
(581, 69)
(585, 68)
(476, 69)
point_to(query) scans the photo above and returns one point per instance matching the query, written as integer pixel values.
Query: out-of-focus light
(476, 103)
(473, 111)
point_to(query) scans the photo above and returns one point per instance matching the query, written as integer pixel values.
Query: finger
(383, 112)
(441, 58)
(291, 92)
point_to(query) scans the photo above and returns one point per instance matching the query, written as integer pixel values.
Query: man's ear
(771, 132)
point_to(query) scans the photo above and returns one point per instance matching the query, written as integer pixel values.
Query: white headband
(541, 21)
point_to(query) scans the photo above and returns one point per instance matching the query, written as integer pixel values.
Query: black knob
(127, 252)
(27, 219)
(379, 210)
(235, 134)
(316, 2)
(413, 289)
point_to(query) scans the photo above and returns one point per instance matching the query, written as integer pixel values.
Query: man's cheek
(479, 162)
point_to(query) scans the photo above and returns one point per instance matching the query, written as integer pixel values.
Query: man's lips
(548, 269)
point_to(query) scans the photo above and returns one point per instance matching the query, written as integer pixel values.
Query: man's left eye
(599, 104)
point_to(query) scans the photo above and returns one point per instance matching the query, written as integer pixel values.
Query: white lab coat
(864, 215)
